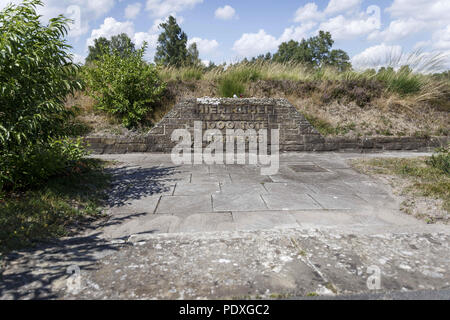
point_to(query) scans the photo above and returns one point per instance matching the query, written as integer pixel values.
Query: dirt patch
(413, 192)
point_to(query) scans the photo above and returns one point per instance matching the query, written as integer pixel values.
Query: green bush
(36, 75)
(124, 86)
(441, 160)
(38, 163)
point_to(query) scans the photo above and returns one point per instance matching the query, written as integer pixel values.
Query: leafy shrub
(38, 163)
(441, 160)
(124, 86)
(36, 76)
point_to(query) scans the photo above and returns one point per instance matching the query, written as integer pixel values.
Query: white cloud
(204, 46)
(336, 6)
(78, 58)
(225, 13)
(296, 33)
(309, 12)
(377, 56)
(111, 27)
(83, 12)
(161, 8)
(433, 11)
(158, 21)
(345, 28)
(441, 39)
(399, 29)
(350, 23)
(132, 10)
(252, 44)
(140, 37)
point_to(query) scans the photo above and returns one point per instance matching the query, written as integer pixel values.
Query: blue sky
(226, 31)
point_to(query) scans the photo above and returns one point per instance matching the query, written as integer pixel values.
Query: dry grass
(425, 190)
(389, 103)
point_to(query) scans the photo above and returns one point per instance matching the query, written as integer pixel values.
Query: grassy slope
(347, 103)
(54, 209)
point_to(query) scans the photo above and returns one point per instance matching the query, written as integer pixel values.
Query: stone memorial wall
(295, 132)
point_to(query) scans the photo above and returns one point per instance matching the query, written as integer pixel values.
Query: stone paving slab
(240, 188)
(190, 189)
(339, 201)
(263, 220)
(181, 204)
(238, 202)
(289, 201)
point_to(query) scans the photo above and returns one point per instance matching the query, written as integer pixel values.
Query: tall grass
(404, 75)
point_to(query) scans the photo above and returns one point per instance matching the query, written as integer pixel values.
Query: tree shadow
(41, 272)
(135, 183)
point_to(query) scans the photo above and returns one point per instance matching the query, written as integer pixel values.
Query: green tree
(124, 86)
(314, 52)
(193, 56)
(36, 75)
(120, 43)
(172, 42)
(100, 47)
(338, 59)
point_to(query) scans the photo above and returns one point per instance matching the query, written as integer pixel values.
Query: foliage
(120, 43)
(314, 52)
(441, 160)
(124, 86)
(39, 162)
(228, 87)
(36, 76)
(52, 209)
(234, 80)
(172, 42)
(193, 56)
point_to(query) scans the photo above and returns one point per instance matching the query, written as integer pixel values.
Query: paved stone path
(227, 231)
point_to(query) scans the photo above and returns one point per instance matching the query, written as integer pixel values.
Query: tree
(120, 43)
(36, 75)
(125, 86)
(100, 47)
(171, 49)
(314, 52)
(192, 56)
(339, 59)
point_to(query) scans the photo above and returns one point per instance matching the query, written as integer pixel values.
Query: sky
(371, 32)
